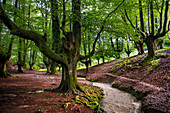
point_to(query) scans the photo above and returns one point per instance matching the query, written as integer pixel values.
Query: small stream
(116, 101)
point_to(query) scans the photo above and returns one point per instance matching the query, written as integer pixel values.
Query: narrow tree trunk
(53, 68)
(103, 59)
(3, 71)
(20, 68)
(87, 66)
(25, 53)
(31, 66)
(98, 60)
(137, 47)
(149, 43)
(48, 69)
(141, 48)
(20, 57)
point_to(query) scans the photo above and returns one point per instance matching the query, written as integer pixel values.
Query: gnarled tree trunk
(69, 78)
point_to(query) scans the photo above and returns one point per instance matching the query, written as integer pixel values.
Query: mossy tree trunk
(4, 57)
(4, 54)
(53, 68)
(57, 44)
(3, 70)
(151, 52)
(69, 81)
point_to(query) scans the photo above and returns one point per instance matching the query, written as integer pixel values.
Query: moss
(161, 55)
(90, 99)
(40, 111)
(15, 77)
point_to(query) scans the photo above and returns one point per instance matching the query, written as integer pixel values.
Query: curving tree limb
(30, 35)
(99, 34)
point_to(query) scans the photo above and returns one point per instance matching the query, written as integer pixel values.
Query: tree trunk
(20, 57)
(3, 71)
(141, 48)
(69, 81)
(48, 69)
(149, 43)
(20, 68)
(98, 60)
(31, 66)
(103, 59)
(87, 67)
(53, 68)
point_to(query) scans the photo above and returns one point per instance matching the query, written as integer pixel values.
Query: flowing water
(116, 101)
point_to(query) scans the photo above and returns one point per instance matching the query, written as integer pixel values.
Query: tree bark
(69, 81)
(20, 62)
(31, 66)
(151, 52)
(98, 60)
(53, 68)
(4, 57)
(3, 70)
(141, 47)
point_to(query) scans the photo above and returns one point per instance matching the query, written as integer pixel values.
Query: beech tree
(4, 54)
(151, 31)
(70, 54)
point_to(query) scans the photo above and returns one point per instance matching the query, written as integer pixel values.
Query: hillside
(148, 82)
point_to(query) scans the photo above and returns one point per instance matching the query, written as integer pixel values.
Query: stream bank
(149, 83)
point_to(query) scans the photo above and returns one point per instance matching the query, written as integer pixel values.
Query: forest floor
(149, 81)
(23, 93)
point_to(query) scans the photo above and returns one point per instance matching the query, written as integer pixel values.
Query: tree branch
(141, 32)
(64, 19)
(163, 33)
(159, 30)
(152, 19)
(99, 33)
(30, 35)
(166, 15)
